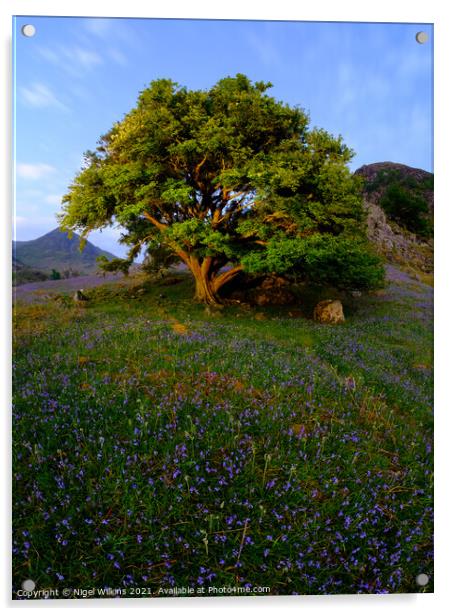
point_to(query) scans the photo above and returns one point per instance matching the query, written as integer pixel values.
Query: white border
(432, 11)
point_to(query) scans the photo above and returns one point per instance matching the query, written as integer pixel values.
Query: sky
(371, 83)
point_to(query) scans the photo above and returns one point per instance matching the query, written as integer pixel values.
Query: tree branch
(178, 251)
(155, 222)
(205, 267)
(199, 165)
(220, 280)
(232, 211)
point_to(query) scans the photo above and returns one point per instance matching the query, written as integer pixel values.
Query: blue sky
(371, 83)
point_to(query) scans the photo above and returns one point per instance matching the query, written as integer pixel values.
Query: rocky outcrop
(371, 172)
(397, 245)
(394, 242)
(329, 311)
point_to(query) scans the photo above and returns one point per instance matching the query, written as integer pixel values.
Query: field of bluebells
(156, 446)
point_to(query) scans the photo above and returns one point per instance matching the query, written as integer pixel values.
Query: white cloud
(35, 171)
(347, 89)
(409, 62)
(111, 29)
(74, 60)
(378, 87)
(53, 199)
(266, 51)
(354, 88)
(21, 221)
(98, 26)
(117, 56)
(48, 54)
(39, 95)
(86, 58)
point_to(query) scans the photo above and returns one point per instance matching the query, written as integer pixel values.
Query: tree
(113, 265)
(226, 179)
(159, 260)
(407, 209)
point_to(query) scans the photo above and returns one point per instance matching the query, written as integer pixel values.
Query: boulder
(274, 291)
(329, 311)
(79, 296)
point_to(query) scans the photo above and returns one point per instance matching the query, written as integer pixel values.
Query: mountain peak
(57, 251)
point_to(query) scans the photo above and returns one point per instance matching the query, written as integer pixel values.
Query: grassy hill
(157, 445)
(23, 274)
(56, 251)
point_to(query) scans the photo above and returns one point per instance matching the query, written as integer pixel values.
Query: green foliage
(114, 265)
(407, 209)
(27, 274)
(345, 263)
(55, 275)
(403, 198)
(70, 273)
(158, 259)
(227, 174)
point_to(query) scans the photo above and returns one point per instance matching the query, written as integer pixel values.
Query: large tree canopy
(226, 179)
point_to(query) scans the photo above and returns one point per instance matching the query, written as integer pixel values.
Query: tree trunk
(204, 292)
(207, 284)
(204, 288)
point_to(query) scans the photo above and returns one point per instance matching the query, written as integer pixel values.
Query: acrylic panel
(223, 317)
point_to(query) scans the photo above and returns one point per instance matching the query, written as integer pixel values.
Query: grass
(158, 446)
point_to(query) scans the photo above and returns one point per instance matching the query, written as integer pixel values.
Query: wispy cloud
(85, 57)
(348, 88)
(111, 30)
(408, 62)
(265, 50)
(53, 199)
(98, 26)
(111, 33)
(73, 59)
(353, 88)
(36, 221)
(40, 95)
(30, 171)
(117, 56)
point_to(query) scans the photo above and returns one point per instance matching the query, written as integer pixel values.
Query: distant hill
(56, 251)
(23, 274)
(405, 193)
(399, 201)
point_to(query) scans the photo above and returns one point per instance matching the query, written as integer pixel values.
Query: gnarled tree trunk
(205, 272)
(207, 284)
(204, 292)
